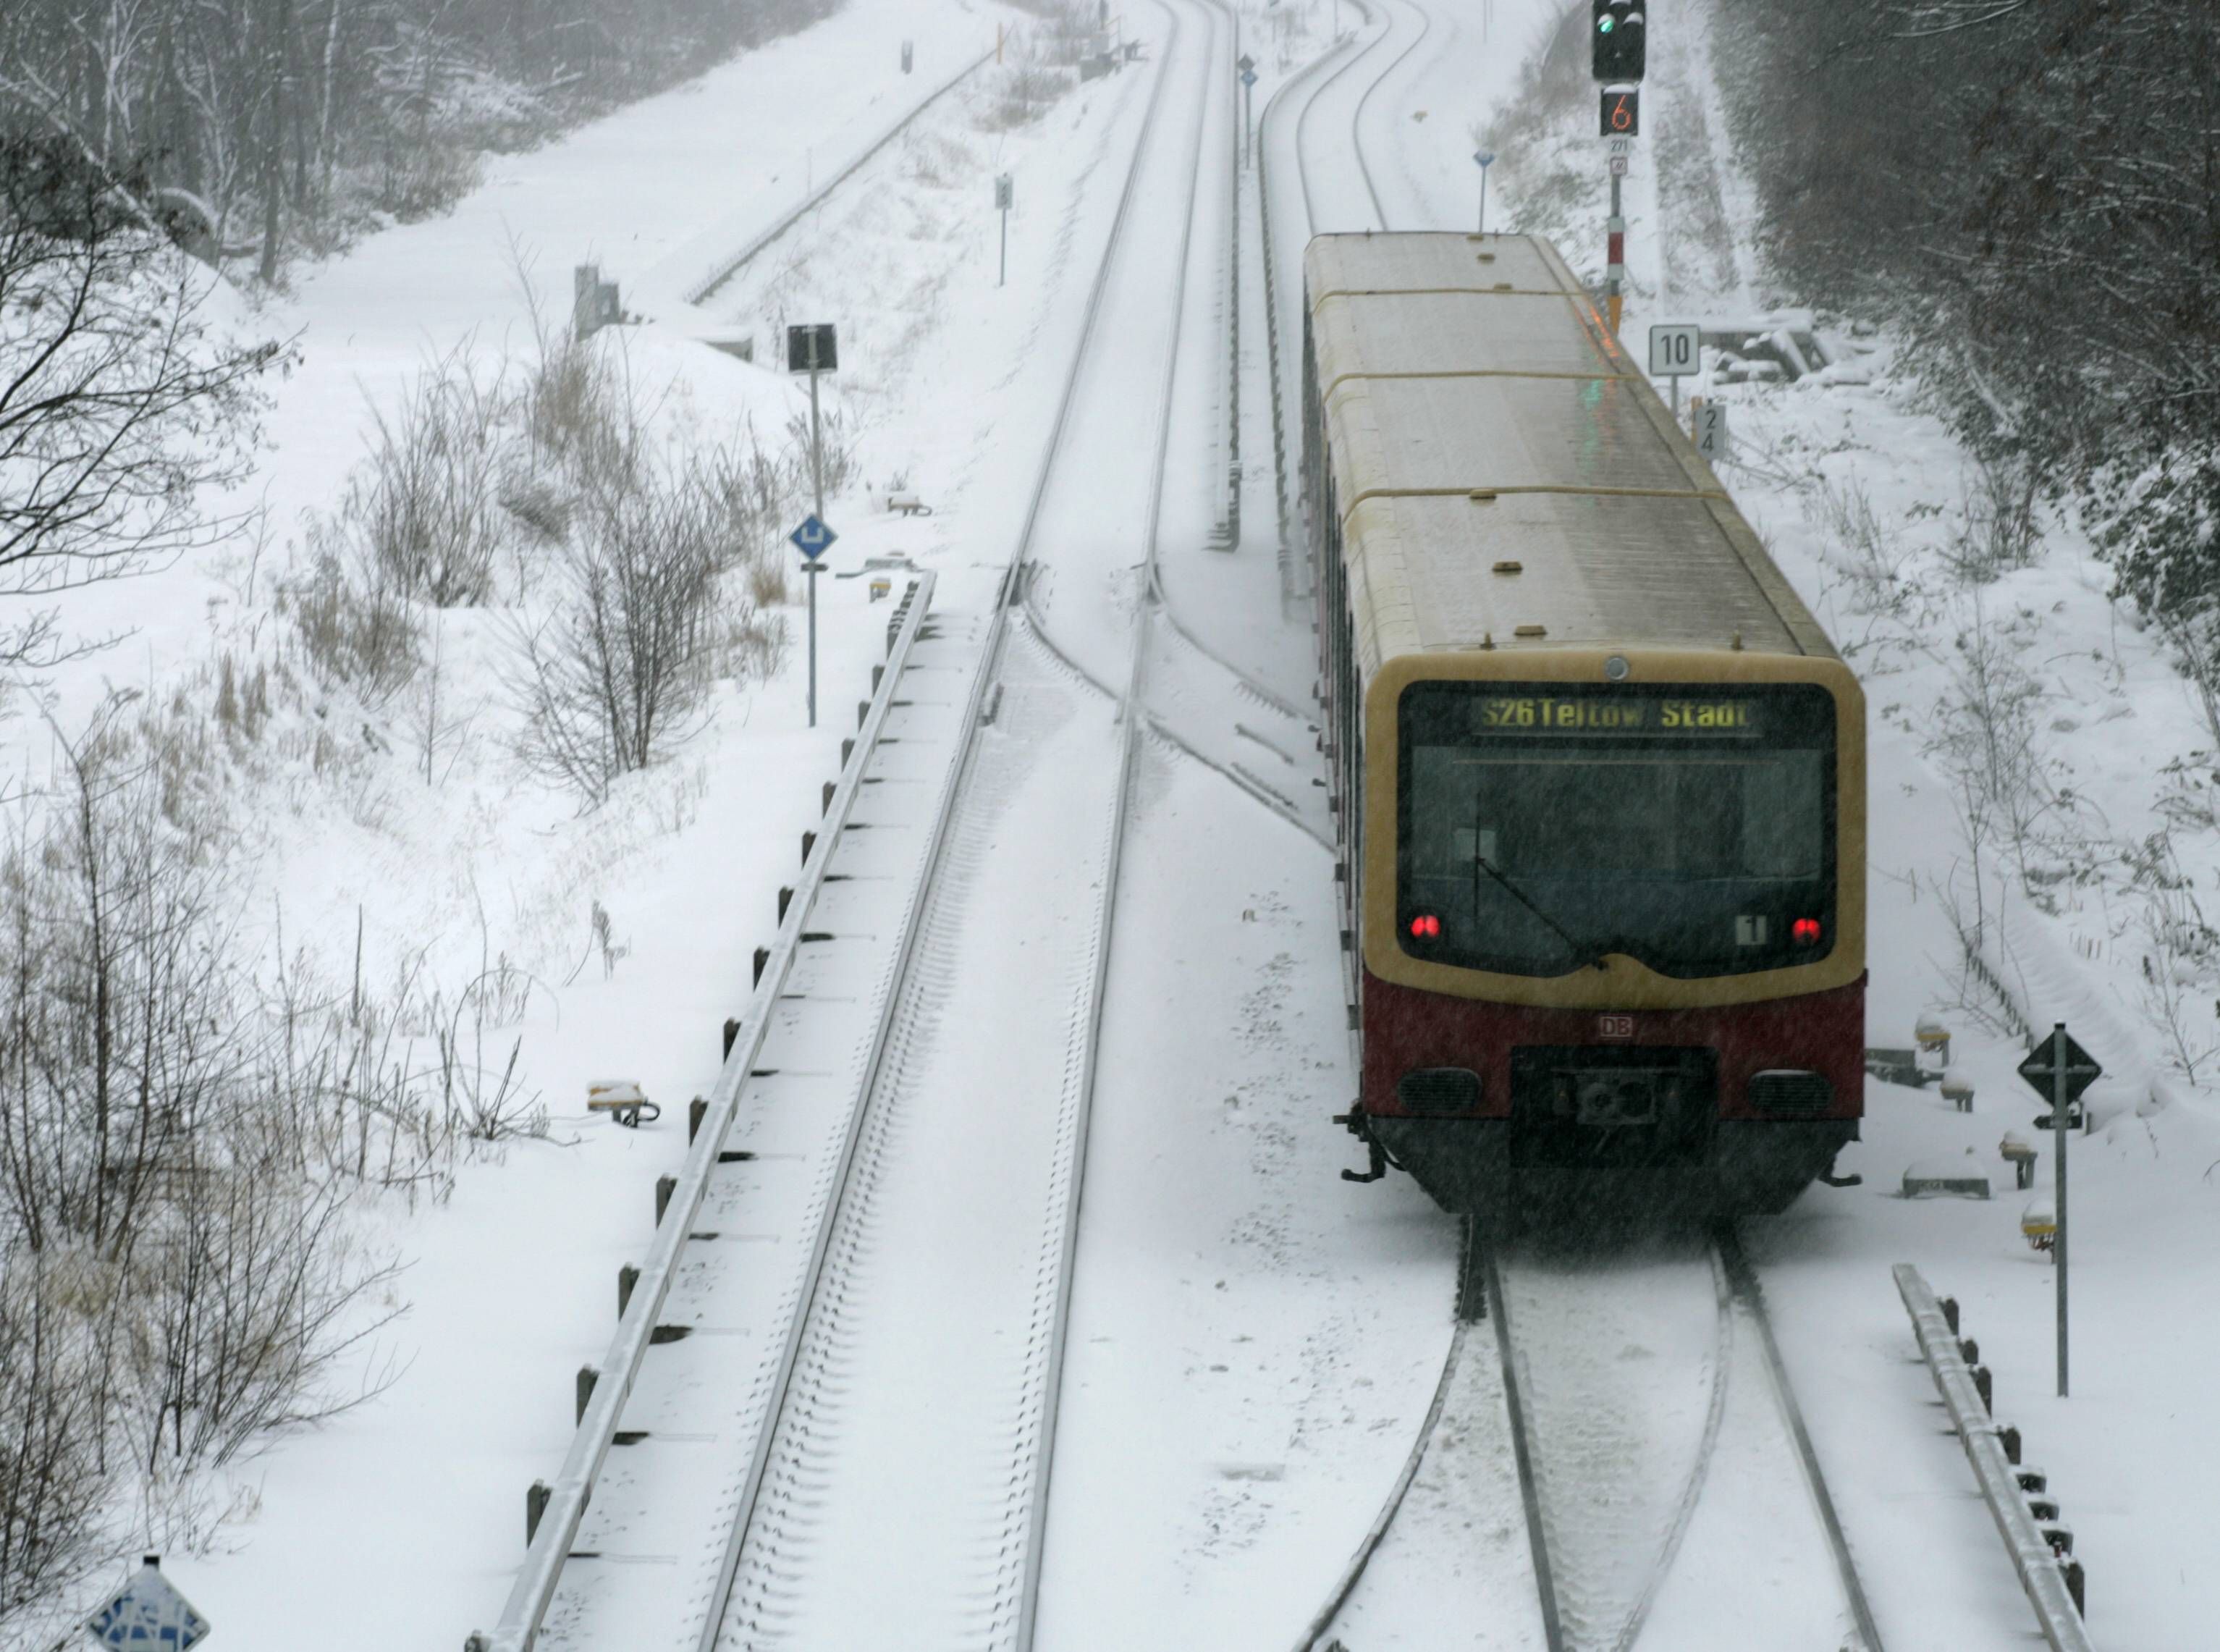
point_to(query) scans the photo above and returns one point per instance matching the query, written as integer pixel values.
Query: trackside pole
(2059, 1104)
(1004, 194)
(817, 490)
(1615, 254)
(2065, 1070)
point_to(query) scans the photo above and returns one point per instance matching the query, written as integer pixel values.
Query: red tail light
(1426, 927)
(1805, 931)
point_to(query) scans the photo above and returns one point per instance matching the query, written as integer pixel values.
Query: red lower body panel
(1405, 1030)
(1603, 1114)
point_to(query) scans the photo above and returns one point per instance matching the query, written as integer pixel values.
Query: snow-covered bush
(180, 1143)
(356, 630)
(621, 670)
(427, 510)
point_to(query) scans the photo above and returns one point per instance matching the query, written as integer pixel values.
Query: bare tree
(119, 402)
(52, 1482)
(622, 671)
(248, 1297)
(116, 1011)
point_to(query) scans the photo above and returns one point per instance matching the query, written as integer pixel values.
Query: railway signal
(1621, 114)
(1618, 41)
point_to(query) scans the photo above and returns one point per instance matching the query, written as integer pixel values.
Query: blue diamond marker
(812, 538)
(148, 1612)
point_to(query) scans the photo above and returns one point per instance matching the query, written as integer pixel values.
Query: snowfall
(1254, 1340)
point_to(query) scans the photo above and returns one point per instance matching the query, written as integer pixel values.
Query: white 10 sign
(1675, 350)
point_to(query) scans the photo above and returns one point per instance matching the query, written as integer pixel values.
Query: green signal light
(1605, 25)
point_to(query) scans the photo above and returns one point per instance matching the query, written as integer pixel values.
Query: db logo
(1615, 1029)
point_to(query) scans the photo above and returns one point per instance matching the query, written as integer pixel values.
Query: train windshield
(1541, 825)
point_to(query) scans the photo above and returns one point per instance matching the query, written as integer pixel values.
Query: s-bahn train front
(1600, 776)
(1613, 923)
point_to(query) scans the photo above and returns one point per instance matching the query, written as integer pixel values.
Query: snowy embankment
(2042, 788)
(404, 837)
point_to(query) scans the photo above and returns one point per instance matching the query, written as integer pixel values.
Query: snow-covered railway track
(903, 1499)
(1673, 1483)
(843, 1436)
(1632, 1413)
(1324, 168)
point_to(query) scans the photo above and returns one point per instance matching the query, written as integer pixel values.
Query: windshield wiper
(1582, 959)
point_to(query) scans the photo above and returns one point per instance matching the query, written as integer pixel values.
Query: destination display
(1530, 713)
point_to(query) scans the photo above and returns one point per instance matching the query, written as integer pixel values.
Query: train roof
(1505, 474)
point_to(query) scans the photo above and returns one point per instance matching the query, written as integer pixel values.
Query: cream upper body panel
(1504, 476)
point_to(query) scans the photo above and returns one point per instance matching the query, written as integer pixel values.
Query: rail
(1480, 1284)
(567, 1494)
(1742, 1279)
(1132, 714)
(1522, 1446)
(1356, 121)
(2032, 1556)
(726, 268)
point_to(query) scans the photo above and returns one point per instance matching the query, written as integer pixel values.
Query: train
(1597, 775)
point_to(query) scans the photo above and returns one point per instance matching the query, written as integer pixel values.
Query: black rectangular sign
(812, 347)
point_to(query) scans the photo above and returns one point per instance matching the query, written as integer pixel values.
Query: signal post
(1618, 42)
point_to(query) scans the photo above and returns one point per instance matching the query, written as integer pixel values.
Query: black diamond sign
(2040, 1068)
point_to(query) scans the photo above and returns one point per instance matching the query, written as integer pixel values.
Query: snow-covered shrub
(580, 417)
(839, 450)
(427, 508)
(175, 1275)
(1998, 530)
(2160, 515)
(1859, 546)
(621, 672)
(53, 1481)
(356, 630)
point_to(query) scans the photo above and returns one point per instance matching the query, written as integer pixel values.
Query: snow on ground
(412, 1504)
(2022, 694)
(509, 1283)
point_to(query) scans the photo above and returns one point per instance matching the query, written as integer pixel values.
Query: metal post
(817, 487)
(1247, 118)
(1002, 270)
(2058, 1104)
(1483, 200)
(1673, 379)
(1615, 253)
